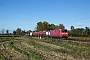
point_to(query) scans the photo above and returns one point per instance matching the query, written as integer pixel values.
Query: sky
(25, 14)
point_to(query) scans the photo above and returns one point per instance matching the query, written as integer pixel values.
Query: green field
(27, 48)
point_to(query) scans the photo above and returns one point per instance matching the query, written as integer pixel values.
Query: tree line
(79, 32)
(45, 26)
(17, 32)
(21, 32)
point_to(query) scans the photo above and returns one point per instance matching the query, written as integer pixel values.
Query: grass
(32, 53)
(36, 45)
(77, 50)
(3, 39)
(2, 58)
(80, 38)
(46, 48)
(5, 55)
(17, 49)
(36, 55)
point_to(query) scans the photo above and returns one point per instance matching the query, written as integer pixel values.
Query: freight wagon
(58, 33)
(38, 34)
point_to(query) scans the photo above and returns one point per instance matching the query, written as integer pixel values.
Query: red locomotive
(58, 33)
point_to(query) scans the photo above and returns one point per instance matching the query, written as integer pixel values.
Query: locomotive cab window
(64, 30)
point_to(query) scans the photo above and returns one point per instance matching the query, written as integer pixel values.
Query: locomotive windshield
(64, 30)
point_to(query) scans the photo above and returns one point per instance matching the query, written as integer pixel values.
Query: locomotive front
(64, 33)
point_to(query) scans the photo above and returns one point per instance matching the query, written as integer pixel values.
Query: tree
(45, 25)
(7, 31)
(18, 31)
(61, 26)
(14, 32)
(72, 27)
(52, 26)
(23, 32)
(39, 26)
(2, 31)
(72, 31)
(87, 30)
(56, 27)
(79, 31)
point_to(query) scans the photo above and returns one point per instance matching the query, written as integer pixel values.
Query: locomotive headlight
(66, 33)
(62, 33)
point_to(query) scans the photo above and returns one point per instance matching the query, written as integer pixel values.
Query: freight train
(58, 33)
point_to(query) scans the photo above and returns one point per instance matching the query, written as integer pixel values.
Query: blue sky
(25, 14)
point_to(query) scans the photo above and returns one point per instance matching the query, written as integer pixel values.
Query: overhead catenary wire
(79, 19)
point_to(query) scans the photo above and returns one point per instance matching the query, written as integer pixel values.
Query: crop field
(31, 48)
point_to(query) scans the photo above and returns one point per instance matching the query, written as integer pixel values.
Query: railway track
(78, 40)
(70, 39)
